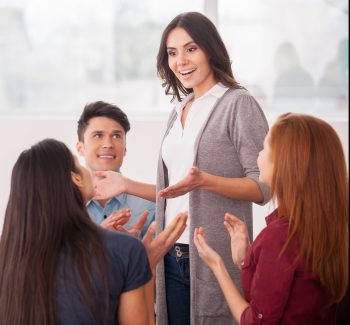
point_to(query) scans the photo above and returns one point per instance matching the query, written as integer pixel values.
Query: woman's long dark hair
(46, 216)
(206, 36)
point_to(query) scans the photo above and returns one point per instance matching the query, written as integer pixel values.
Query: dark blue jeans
(177, 282)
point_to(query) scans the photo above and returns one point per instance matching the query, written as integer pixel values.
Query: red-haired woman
(296, 270)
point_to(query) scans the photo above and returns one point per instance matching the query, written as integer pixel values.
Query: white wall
(143, 141)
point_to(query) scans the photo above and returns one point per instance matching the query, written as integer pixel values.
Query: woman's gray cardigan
(228, 145)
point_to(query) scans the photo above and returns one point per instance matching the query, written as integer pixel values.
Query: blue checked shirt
(124, 201)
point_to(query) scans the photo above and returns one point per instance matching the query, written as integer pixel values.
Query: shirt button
(260, 316)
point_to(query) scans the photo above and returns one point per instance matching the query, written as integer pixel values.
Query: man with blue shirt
(102, 129)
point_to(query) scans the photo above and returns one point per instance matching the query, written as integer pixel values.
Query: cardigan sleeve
(248, 132)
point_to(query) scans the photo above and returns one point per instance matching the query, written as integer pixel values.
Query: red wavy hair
(310, 183)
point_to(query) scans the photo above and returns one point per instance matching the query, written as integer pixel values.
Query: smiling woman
(189, 62)
(207, 164)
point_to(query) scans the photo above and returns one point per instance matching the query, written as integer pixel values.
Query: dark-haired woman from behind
(56, 265)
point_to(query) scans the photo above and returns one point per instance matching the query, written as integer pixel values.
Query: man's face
(104, 144)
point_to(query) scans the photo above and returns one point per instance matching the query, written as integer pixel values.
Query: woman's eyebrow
(173, 48)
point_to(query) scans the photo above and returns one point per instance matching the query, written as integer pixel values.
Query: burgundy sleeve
(271, 282)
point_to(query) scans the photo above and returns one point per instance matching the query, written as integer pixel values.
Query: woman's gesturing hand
(108, 184)
(190, 182)
(239, 238)
(157, 247)
(206, 253)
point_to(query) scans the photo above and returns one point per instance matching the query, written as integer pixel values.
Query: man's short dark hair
(101, 109)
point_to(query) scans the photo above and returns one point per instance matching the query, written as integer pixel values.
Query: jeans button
(178, 251)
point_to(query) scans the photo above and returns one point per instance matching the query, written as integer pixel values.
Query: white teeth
(184, 72)
(106, 157)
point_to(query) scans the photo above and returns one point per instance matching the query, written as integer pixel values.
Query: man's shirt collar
(120, 198)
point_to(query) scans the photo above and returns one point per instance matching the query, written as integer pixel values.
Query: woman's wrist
(218, 266)
(204, 179)
(127, 186)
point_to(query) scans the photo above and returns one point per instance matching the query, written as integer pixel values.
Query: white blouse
(178, 148)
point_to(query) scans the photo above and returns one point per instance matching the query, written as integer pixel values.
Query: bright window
(55, 56)
(291, 54)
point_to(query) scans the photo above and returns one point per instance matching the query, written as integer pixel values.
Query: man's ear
(125, 152)
(76, 179)
(80, 148)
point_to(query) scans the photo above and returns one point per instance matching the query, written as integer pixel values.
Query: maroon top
(278, 290)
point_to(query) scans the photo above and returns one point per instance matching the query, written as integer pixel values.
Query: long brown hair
(46, 216)
(310, 183)
(206, 36)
